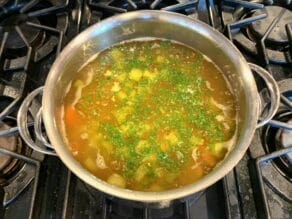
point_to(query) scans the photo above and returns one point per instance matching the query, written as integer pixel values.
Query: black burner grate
(29, 31)
(31, 162)
(103, 9)
(260, 161)
(51, 23)
(261, 29)
(25, 56)
(242, 19)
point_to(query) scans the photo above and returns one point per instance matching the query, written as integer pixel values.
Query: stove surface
(32, 185)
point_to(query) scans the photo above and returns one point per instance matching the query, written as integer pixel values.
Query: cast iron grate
(262, 29)
(198, 9)
(240, 18)
(100, 10)
(278, 153)
(259, 162)
(233, 28)
(29, 32)
(98, 205)
(28, 161)
(30, 50)
(130, 5)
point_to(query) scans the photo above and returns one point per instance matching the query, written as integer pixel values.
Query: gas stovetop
(34, 185)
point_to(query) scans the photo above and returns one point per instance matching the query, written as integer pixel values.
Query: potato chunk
(122, 95)
(196, 140)
(90, 164)
(135, 74)
(149, 75)
(117, 180)
(140, 173)
(171, 137)
(116, 87)
(142, 145)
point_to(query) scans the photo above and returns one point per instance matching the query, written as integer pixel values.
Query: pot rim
(217, 173)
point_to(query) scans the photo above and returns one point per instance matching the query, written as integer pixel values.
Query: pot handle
(40, 144)
(274, 92)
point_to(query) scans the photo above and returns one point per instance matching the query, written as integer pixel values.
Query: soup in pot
(149, 115)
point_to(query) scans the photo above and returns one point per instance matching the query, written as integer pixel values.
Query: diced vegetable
(208, 158)
(78, 83)
(218, 147)
(117, 54)
(164, 146)
(117, 180)
(84, 136)
(133, 93)
(141, 173)
(220, 118)
(196, 140)
(151, 158)
(172, 138)
(135, 74)
(122, 114)
(121, 77)
(108, 73)
(160, 172)
(122, 95)
(94, 139)
(107, 146)
(116, 87)
(160, 59)
(72, 117)
(142, 145)
(148, 74)
(90, 164)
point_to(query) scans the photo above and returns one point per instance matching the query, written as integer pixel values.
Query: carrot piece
(72, 117)
(208, 158)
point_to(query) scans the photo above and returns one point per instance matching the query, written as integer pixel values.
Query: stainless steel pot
(156, 24)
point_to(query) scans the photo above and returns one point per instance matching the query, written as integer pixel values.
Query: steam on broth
(149, 115)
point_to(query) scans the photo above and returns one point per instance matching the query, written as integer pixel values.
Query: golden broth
(149, 115)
